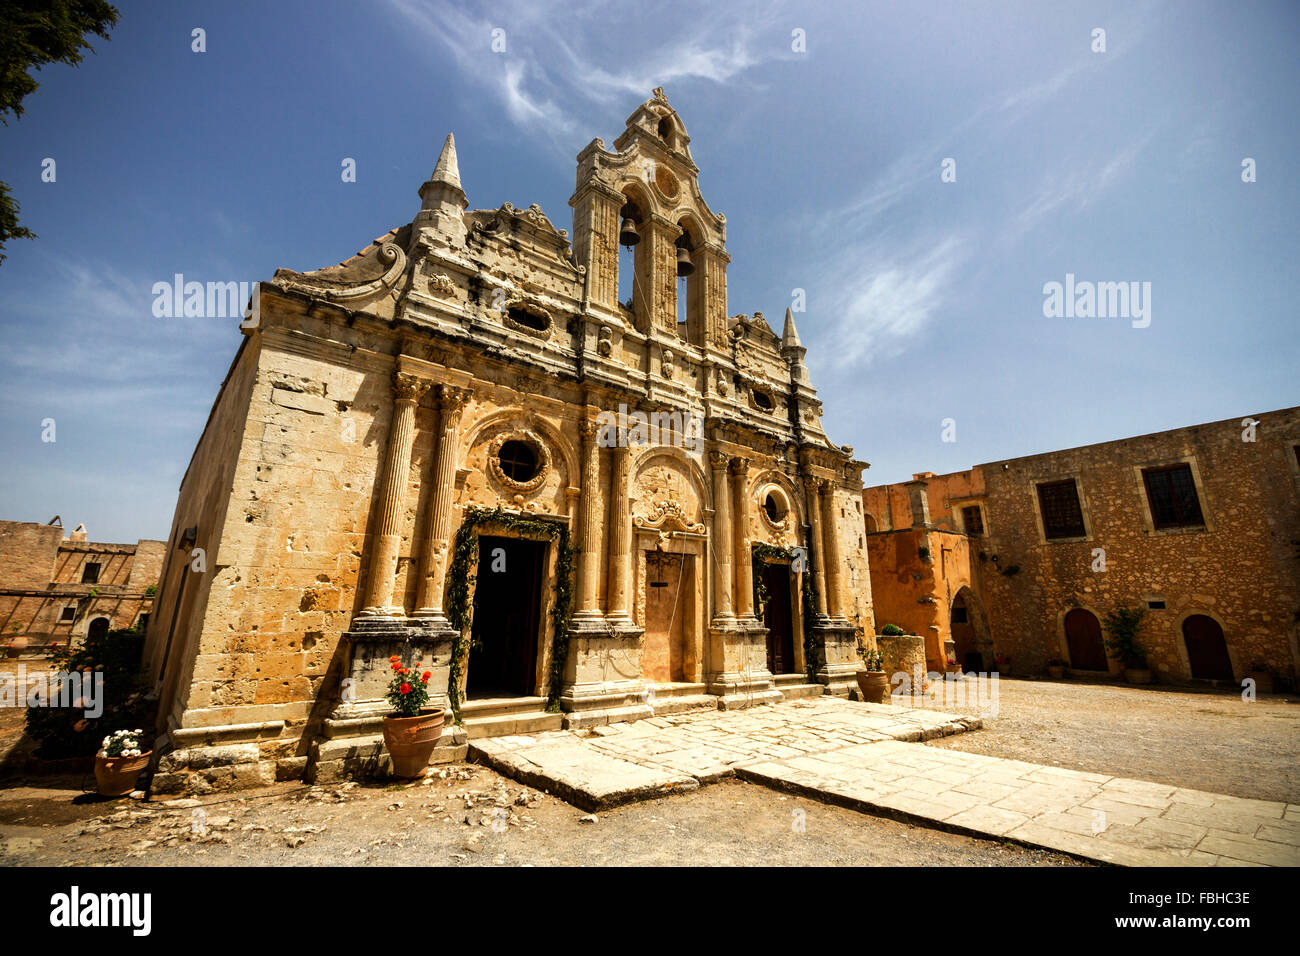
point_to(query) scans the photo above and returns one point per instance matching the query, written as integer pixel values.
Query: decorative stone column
(437, 524)
(813, 487)
(620, 537)
(744, 563)
(588, 539)
(407, 391)
(834, 572)
(722, 542)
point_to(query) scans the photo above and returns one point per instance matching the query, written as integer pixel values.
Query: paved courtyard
(872, 757)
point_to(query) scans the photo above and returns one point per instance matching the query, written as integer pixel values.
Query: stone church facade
(459, 446)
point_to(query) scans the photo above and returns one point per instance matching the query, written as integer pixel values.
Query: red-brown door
(778, 619)
(1083, 635)
(1207, 651)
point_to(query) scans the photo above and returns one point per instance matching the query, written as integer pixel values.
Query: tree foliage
(33, 34)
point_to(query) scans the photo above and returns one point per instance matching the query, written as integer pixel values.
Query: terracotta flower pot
(1055, 672)
(1137, 675)
(410, 740)
(874, 686)
(116, 776)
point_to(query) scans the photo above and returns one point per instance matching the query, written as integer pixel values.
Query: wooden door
(1207, 651)
(778, 618)
(1083, 635)
(661, 649)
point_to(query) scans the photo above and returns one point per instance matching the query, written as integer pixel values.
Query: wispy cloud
(559, 53)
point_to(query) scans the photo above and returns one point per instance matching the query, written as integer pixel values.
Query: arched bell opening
(690, 285)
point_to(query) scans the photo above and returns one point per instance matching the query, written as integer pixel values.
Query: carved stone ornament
(442, 284)
(604, 345)
(539, 448)
(667, 517)
(533, 309)
(409, 388)
(783, 525)
(666, 366)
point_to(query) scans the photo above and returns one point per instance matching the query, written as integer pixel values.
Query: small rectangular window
(69, 613)
(972, 520)
(1062, 516)
(1171, 492)
(1156, 605)
(90, 573)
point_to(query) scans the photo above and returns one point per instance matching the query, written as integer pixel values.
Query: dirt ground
(1203, 740)
(472, 817)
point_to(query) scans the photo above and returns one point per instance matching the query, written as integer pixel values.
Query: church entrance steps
(677, 698)
(796, 686)
(499, 716)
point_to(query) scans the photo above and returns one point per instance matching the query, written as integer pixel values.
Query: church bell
(684, 265)
(627, 234)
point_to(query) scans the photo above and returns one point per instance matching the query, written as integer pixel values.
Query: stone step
(496, 706)
(676, 705)
(795, 691)
(504, 725)
(799, 678)
(661, 691)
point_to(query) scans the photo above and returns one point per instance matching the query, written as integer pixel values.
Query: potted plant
(119, 762)
(1262, 677)
(953, 668)
(412, 730)
(1123, 624)
(1003, 663)
(872, 682)
(1056, 668)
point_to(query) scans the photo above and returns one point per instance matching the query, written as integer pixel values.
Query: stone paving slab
(1108, 819)
(868, 757)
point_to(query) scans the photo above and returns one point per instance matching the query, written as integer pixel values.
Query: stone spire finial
(790, 335)
(447, 171)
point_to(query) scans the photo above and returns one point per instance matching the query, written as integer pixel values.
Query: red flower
(406, 688)
(427, 675)
(394, 658)
(397, 666)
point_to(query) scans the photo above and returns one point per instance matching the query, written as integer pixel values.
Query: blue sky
(924, 298)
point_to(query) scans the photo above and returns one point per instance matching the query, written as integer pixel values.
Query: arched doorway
(1207, 651)
(969, 631)
(98, 628)
(778, 617)
(1083, 637)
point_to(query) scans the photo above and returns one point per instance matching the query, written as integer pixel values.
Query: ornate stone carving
(666, 518)
(543, 460)
(441, 284)
(408, 387)
(666, 366)
(604, 343)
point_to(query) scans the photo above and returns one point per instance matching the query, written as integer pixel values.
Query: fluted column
(588, 539)
(831, 548)
(437, 522)
(740, 530)
(722, 544)
(818, 563)
(620, 536)
(387, 539)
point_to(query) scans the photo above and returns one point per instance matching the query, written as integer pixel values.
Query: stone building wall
(1240, 568)
(44, 601)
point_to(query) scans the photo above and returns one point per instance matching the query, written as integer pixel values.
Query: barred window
(1171, 492)
(972, 520)
(1062, 516)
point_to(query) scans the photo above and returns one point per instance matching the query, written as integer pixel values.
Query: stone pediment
(532, 221)
(374, 269)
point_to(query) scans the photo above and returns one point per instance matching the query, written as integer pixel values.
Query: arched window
(690, 287)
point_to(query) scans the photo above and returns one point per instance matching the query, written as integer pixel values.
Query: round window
(518, 461)
(774, 508)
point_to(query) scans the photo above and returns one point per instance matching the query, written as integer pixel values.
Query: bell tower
(645, 194)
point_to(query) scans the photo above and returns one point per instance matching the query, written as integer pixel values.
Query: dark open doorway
(507, 618)
(1207, 651)
(778, 618)
(1083, 638)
